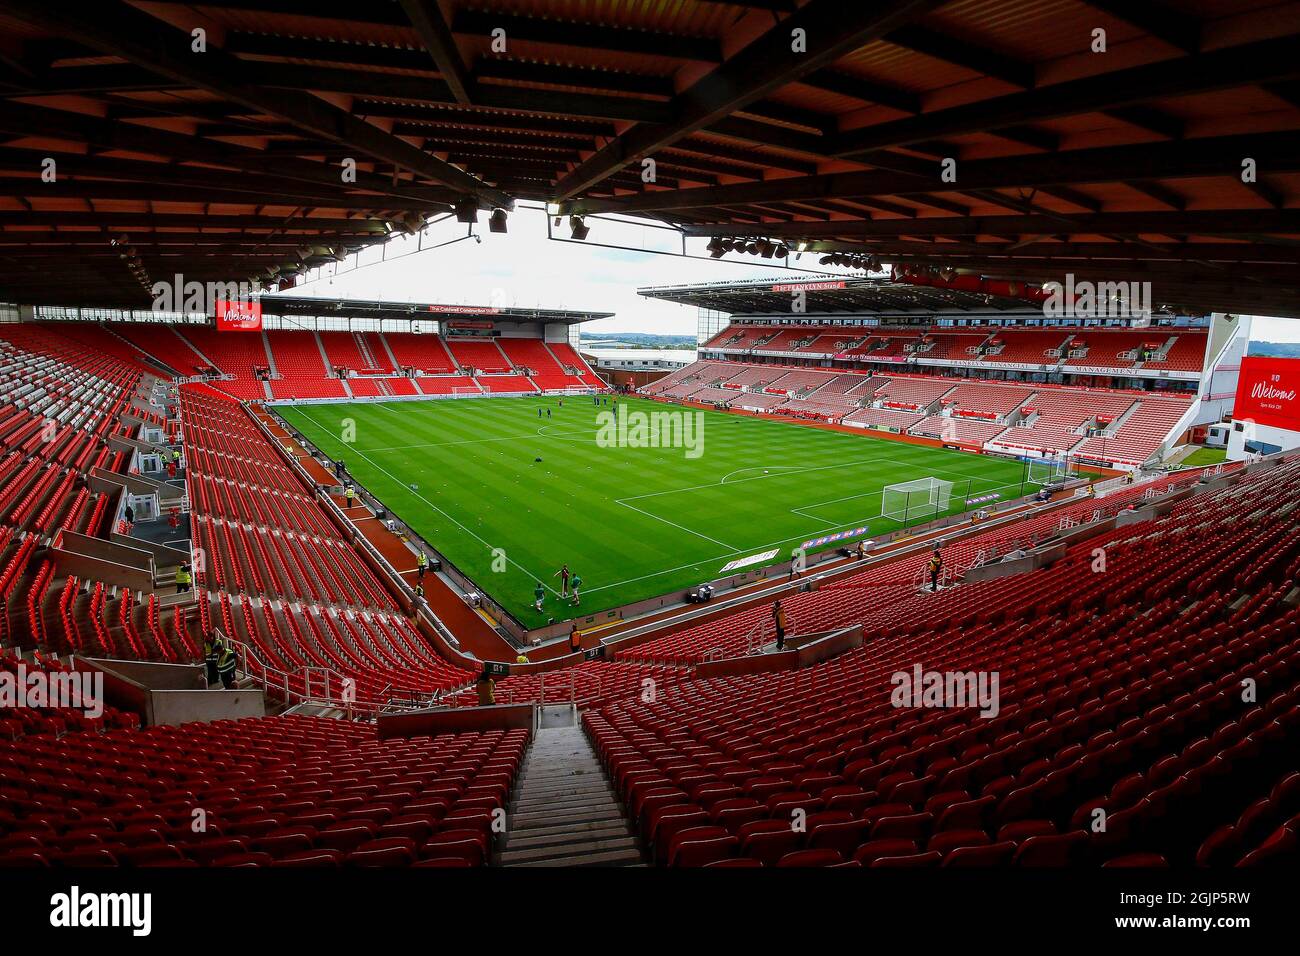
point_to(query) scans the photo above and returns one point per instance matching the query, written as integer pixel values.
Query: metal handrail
(274, 678)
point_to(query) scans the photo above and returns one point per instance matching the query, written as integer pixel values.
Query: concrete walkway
(565, 812)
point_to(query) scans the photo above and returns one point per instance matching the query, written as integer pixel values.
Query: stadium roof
(800, 119)
(283, 305)
(822, 296)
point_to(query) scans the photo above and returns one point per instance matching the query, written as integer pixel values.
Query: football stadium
(964, 538)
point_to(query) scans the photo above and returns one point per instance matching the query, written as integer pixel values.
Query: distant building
(633, 366)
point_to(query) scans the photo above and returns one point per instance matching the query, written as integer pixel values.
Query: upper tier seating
(534, 355)
(565, 353)
(949, 345)
(482, 355)
(162, 342)
(426, 353)
(239, 353)
(1027, 347)
(342, 349)
(1105, 348)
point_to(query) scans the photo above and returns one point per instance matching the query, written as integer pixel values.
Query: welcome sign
(239, 316)
(1267, 392)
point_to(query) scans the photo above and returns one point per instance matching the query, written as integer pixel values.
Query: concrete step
(577, 848)
(564, 812)
(571, 807)
(626, 857)
(600, 791)
(550, 836)
(583, 784)
(545, 818)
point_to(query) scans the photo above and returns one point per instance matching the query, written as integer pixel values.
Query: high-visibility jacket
(422, 560)
(210, 651)
(184, 577)
(226, 660)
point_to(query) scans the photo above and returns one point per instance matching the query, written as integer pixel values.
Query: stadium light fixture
(579, 228)
(497, 221)
(716, 248)
(467, 210)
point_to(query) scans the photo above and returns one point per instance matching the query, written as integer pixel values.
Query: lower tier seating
(282, 791)
(1119, 691)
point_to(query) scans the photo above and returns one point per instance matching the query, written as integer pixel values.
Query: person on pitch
(563, 575)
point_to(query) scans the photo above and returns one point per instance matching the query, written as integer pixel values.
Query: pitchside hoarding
(1267, 392)
(238, 316)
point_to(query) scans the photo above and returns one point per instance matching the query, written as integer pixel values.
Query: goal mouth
(1045, 471)
(906, 501)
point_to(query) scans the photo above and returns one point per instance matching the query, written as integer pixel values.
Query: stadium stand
(1008, 417)
(427, 354)
(1097, 709)
(570, 359)
(1136, 708)
(482, 356)
(284, 791)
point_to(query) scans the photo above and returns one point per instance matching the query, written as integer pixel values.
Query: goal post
(921, 497)
(1044, 471)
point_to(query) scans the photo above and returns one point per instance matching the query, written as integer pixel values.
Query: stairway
(564, 812)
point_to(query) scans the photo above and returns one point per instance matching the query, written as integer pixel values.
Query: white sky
(525, 268)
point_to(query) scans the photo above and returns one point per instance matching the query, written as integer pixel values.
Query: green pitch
(633, 522)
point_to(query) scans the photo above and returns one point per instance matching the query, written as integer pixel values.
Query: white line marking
(620, 501)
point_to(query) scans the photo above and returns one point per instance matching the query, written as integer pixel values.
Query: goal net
(1044, 471)
(911, 499)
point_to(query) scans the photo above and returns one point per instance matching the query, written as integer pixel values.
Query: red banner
(238, 316)
(1267, 388)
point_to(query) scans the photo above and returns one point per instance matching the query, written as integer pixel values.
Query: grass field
(634, 522)
(1205, 456)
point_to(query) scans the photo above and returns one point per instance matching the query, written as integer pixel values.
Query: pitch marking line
(406, 487)
(623, 502)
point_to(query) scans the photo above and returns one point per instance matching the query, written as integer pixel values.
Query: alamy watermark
(177, 295)
(676, 428)
(63, 690)
(1096, 300)
(946, 689)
